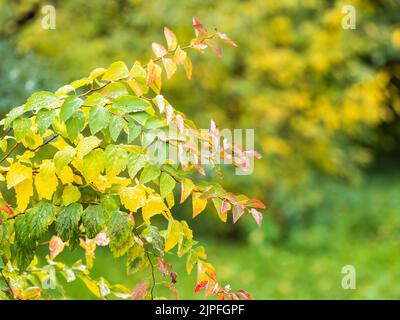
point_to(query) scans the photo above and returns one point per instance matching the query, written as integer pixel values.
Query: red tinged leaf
(254, 203)
(199, 28)
(140, 291)
(162, 268)
(226, 39)
(171, 39)
(56, 246)
(216, 48)
(159, 50)
(198, 45)
(237, 213)
(257, 216)
(253, 154)
(225, 207)
(200, 286)
(7, 209)
(173, 277)
(244, 295)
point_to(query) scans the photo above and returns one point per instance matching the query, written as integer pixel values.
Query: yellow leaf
(17, 173)
(133, 198)
(173, 236)
(70, 194)
(59, 143)
(86, 145)
(170, 67)
(66, 175)
(171, 39)
(170, 199)
(154, 76)
(188, 68)
(179, 56)
(46, 181)
(93, 165)
(23, 191)
(199, 203)
(187, 186)
(154, 205)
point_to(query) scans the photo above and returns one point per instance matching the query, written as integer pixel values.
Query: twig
(9, 152)
(153, 277)
(47, 142)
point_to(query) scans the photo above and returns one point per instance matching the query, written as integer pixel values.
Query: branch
(151, 264)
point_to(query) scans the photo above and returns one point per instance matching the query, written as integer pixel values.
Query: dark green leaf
(67, 223)
(94, 219)
(120, 233)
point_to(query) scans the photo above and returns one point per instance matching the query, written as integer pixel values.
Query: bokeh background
(324, 103)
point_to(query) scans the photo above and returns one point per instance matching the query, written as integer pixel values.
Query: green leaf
(152, 236)
(116, 71)
(29, 228)
(136, 259)
(110, 202)
(12, 115)
(93, 165)
(70, 194)
(133, 131)
(120, 233)
(67, 223)
(22, 127)
(99, 118)
(44, 118)
(116, 160)
(115, 126)
(96, 100)
(39, 100)
(69, 107)
(75, 124)
(94, 219)
(64, 157)
(150, 172)
(136, 162)
(39, 218)
(167, 184)
(128, 103)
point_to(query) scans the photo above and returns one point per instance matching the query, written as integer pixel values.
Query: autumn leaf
(159, 50)
(171, 39)
(199, 203)
(56, 246)
(187, 187)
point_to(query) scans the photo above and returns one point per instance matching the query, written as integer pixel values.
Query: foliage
(316, 94)
(82, 164)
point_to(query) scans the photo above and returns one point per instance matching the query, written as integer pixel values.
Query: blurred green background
(324, 102)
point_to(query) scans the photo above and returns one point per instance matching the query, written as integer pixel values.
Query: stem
(47, 142)
(153, 277)
(9, 152)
